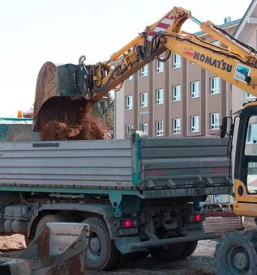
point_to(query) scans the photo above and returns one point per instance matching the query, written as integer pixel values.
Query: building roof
(244, 28)
(7, 120)
(222, 26)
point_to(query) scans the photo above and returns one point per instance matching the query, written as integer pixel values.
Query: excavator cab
(236, 252)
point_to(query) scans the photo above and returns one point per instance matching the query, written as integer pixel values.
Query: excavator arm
(66, 92)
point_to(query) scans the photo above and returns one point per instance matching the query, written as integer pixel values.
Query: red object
(127, 223)
(198, 217)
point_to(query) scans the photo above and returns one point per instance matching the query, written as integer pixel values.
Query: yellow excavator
(63, 91)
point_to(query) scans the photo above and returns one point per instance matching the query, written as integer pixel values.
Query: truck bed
(142, 164)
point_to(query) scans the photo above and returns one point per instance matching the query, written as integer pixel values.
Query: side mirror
(223, 127)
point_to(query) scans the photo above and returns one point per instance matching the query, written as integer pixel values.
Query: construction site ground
(200, 263)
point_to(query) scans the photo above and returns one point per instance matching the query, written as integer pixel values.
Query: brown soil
(91, 128)
(64, 119)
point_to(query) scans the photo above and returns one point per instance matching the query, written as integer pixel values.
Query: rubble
(200, 263)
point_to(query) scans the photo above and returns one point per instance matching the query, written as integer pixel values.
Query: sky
(60, 31)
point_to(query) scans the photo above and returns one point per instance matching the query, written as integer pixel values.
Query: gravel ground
(200, 263)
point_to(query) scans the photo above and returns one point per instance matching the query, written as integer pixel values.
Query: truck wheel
(189, 249)
(168, 253)
(236, 253)
(139, 256)
(102, 253)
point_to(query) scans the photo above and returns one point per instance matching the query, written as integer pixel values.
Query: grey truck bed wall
(66, 163)
(162, 162)
(184, 161)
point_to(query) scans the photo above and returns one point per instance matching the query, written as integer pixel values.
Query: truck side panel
(67, 163)
(180, 161)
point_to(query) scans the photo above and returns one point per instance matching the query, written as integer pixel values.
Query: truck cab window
(251, 154)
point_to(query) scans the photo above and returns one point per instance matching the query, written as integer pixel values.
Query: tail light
(197, 217)
(127, 223)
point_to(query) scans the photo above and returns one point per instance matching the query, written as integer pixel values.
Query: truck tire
(102, 253)
(168, 253)
(139, 256)
(189, 249)
(236, 253)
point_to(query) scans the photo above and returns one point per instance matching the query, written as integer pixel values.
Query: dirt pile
(91, 128)
(65, 119)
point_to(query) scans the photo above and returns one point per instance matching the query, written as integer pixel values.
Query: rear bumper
(132, 244)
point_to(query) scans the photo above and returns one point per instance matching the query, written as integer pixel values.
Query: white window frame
(214, 121)
(130, 77)
(129, 102)
(195, 89)
(159, 99)
(215, 85)
(176, 93)
(249, 96)
(159, 66)
(128, 128)
(159, 128)
(176, 61)
(216, 43)
(144, 99)
(176, 126)
(195, 124)
(144, 71)
(145, 128)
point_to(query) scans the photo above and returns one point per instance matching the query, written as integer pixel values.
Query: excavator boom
(66, 92)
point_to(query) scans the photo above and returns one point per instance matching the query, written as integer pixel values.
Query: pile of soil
(66, 119)
(91, 128)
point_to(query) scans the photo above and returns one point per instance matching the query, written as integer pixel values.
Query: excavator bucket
(58, 95)
(60, 248)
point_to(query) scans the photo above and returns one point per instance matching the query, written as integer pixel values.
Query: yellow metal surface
(208, 28)
(246, 205)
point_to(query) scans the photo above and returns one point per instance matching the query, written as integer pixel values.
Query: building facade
(246, 32)
(175, 98)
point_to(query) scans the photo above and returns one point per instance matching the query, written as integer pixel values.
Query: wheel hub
(241, 260)
(95, 245)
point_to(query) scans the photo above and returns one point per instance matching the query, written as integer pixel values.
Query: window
(195, 124)
(215, 85)
(176, 93)
(160, 66)
(176, 60)
(144, 71)
(143, 99)
(130, 77)
(216, 43)
(145, 128)
(159, 128)
(248, 96)
(129, 102)
(129, 129)
(214, 121)
(159, 96)
(195, 89)
(176, 126)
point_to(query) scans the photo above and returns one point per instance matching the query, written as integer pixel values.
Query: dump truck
(139, 195)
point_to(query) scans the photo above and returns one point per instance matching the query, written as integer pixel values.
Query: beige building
(246, 32)
(175, 98)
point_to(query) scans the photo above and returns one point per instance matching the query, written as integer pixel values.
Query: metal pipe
(159, 242)
(195, 20)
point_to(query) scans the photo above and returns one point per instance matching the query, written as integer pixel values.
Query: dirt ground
(200, 263)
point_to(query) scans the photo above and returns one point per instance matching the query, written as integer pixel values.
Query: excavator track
(236, 253)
